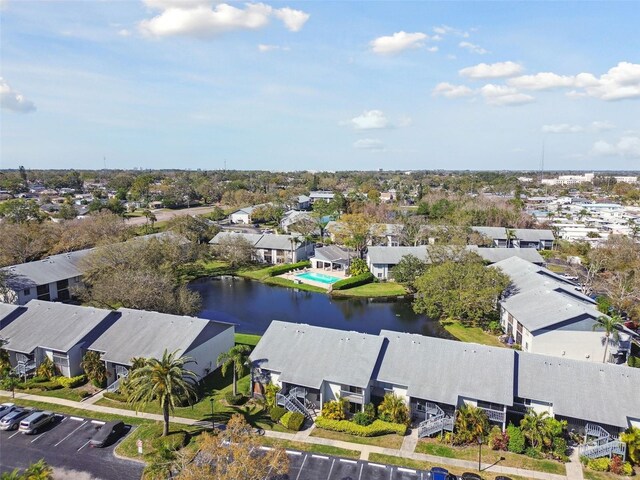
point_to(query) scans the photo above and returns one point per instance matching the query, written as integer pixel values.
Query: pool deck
(293, 277)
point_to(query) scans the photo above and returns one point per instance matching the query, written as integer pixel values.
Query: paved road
(65, 446)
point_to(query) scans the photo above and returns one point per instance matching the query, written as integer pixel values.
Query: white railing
(495, 415)
(604, 444)
(292, 404)
(114, 386)
(435, 425)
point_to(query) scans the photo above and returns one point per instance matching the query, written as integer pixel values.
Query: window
(26, 292)
(43, 292)
(60, 360)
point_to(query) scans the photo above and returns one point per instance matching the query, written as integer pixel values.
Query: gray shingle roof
(306, 355)
(493, 255)
(251, 237)
(52, 325)
(442, 370)
(48, 270)
(139, 333)
(534, 234)
(7, 309)
(496, 233)
(333, 253)
(393, 255)
(595, 392)
(260, 240)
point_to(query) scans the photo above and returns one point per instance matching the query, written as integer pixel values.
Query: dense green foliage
(287, 267)
(517, 441)
(335, 409)
(292, 421)
(276, 413)
(471, 422)
(72, 382)
(631, 437)
(358, 267)
(394, 409)
(353, 281)
(408, 269)
(378, 427)
(94, 368)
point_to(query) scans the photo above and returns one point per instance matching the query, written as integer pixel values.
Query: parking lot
(309, 466)
(64, 443)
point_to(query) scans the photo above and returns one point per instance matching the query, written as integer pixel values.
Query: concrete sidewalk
(574, 469)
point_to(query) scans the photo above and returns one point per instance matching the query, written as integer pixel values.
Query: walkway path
(574, 469)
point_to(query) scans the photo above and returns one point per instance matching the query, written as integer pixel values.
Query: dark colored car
(107, 434)
(500, 477)
(437, 473)
(7, 408)
(470, 476)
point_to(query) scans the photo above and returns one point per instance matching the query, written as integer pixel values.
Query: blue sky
(319, 85)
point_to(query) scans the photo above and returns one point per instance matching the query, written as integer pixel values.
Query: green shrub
(287, 267)
(358, 267)
(118, 397)
(363, 419)
(292, 421)
(84, 394)
(276, 413)
(393, 409)
(494, 327)
(599, 464)
(234, 399)
(174, 441)
(627, 469)
(378, 427)
(46, 386)
(270, 393)
(38, 379)
(334, 409)
(634, 361)
(516, 439)
(533, 452)
(615, 464)
(560, 448)
(352, 282)
(72, 382)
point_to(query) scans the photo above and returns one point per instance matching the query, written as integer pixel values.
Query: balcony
(495, 415)
(352, 396)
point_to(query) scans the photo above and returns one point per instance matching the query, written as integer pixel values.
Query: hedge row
(287, 267)
(118, 397)
(72, 382)
(292, 421)
(378, 427)
(353, 281)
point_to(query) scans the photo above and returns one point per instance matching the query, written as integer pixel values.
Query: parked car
(36, 421)
(470, 476)
(6, 408)
(501, 477)
(107, 434)
(12, 420)
(437, 473)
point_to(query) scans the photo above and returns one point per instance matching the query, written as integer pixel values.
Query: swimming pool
(318, 277)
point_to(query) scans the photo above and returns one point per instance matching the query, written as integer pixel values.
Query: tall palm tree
(610, 327)
(471, 422)
(394, 409)
(237, 357)
(165, 380)
(534, 427)
(94, 367)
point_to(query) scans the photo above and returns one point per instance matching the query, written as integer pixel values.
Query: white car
(7, 408)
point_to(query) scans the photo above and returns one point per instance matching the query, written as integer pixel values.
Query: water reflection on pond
(253, 305)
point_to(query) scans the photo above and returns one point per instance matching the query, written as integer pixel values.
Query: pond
(252, 306)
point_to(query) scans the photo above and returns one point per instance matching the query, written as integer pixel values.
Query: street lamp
(213, 423)
(479, 452)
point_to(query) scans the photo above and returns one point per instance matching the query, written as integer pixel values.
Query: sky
(320, 85)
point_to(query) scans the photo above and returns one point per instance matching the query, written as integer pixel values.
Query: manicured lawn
(418, 465)
(204, 268)
(247, 339)
(556, 268)
(79, 412)
(283, 282)
(383, 289)
(386, 441)
(66, 393)
(471, 334)
(254, 272)
(591, 475)
(310, 447)
(434, 447)
(150, 434)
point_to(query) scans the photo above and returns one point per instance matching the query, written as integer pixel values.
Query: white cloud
(397, 42)
(269, 48)
(447, 30)
(492, 70)
(541, 81)
(200, 18)
(562, 128)
(371, 144)
(601, 126)
(14, 101)
(432, 49)
(452, 91)
(123, 32)
(501, 95)
(473, 48)
(627, 147)
(370, 120)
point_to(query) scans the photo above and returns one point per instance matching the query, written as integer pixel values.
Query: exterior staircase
(292, 403)
(602, 444)
(436, 423)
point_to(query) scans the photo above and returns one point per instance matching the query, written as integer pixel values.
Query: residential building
(569, 179)
(501, 237)
(302, 202)
(62, 333)
(332, 258)
(389, 234)
(272, 248)
(419, 369)
(51, 278)
(321, 195)
(243, 215)
(295, 357)
(545, 313)
(143, 334)
(292, 217)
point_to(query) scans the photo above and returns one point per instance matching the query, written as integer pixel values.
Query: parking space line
(77, 419)
(406, 470)
(331, 469)
(293, 452)
(361, 468)
(377, 465)
(39, 437)
(83, 446)
(301, 467)
(391, 473)
(17, 432)
(266, 449)
(98, 422)
(320, 456)
(347, 461)
(72, 432)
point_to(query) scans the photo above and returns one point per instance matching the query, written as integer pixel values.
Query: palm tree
(165, 380)
(394, 409)
(237, 357)
(610, 327)
(94, 367)
(15, 474)
(471, 423)
(39, 471)
(534, 427)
